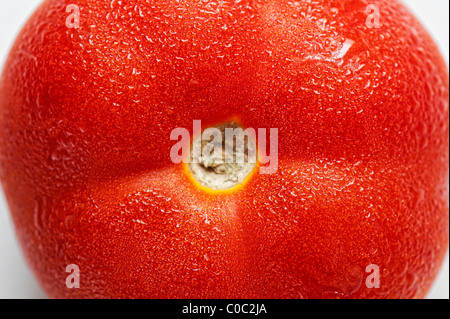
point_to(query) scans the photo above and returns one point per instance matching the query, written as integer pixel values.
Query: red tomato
(362, 113)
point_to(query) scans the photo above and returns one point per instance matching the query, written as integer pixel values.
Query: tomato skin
(85, 122)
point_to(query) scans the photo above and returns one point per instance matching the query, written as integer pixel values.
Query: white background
(16, 280)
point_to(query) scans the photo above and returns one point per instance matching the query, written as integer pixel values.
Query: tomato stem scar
(223, 156)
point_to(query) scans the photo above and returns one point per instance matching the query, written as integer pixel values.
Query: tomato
(358, 204)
